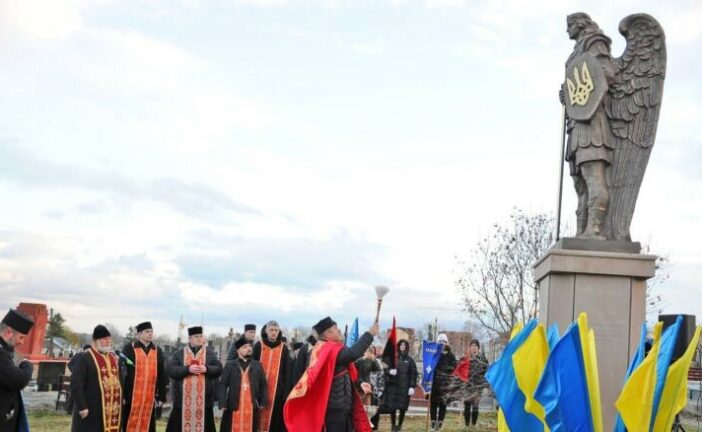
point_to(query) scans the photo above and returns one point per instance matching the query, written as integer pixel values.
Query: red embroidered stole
(194, 392)
(270, 360)
(110, 389)
(242, 419)
(144, 389)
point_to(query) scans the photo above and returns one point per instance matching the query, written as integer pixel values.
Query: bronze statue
(612, 107)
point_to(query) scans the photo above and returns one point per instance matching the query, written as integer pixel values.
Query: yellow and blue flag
(529, 361)
(502, 378)
(635, 403)
(552, 336)
(501, 422)
(639, 356)
(674, 396)
(587, 341)
(665, 355)
(563, 388)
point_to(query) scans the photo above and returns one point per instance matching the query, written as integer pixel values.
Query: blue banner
(352, 337)
(431, 353)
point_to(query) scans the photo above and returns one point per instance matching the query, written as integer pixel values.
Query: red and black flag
(390, 350)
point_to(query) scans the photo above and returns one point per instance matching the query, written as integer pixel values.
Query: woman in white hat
(439, 388)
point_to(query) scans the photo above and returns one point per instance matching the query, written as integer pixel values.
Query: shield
(584, 87)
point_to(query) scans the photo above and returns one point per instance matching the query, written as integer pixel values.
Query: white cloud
(258, 296)
(38, 19)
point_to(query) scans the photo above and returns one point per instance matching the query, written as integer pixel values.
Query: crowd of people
(264, 385)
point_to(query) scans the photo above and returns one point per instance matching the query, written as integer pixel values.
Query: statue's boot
(581, 223)
(595, 224)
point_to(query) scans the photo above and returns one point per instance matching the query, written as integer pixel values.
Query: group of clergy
(263, 386)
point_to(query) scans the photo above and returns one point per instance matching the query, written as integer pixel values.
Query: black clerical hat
(192, 331)
(241, 342)
(297, 345)
(100, 332)
(18, 321)
(312, 340)
(146, 325)
(323, 325)
(248, 327)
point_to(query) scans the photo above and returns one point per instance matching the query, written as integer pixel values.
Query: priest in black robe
(193, 404)
(96, 388)
(302, 360)
(243, 390)
(13, 378)
(143, 362)
(274, 356)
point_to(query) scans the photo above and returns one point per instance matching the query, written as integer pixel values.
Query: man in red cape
(325, 398)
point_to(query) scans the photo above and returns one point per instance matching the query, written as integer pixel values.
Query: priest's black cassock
(178, 371)
(87, 392)
(275, 360)
(160, 390)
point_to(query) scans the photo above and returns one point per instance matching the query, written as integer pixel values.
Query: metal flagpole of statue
(561, 163)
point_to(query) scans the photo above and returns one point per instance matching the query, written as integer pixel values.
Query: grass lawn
(53, 422)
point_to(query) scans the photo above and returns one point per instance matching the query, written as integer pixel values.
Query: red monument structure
(34, 342)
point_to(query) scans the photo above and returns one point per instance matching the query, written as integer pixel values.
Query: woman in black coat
(476, 383)
(399, 385)
(440, 388)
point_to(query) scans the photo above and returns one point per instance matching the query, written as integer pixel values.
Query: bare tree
(496, 283)
(655, 303)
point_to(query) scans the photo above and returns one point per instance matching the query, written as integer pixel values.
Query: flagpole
(560, 175)
(428, 408)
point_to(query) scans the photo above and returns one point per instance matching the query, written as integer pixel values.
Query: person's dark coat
(130, 376)
(343, 391)
(301, 362)
(397, 386)
(177, 371)
(365, 367)
(230, 384)
(284, 385)
(12, 380)
(478, 369)
(86, 394)
(442, 373)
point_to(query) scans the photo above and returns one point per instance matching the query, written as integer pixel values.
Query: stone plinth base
(611, 288)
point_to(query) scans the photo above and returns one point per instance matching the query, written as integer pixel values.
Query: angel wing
(633, 107)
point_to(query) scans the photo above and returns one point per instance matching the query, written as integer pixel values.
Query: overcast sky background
(257, 159)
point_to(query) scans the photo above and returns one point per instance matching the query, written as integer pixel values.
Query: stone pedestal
(611, 288)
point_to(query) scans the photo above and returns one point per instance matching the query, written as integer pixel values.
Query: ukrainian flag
(529, 361)
(674, 396)
(635, 403)
(501, 422)
(569, 387)
(639, 356)
(502, 378)
(665, 355)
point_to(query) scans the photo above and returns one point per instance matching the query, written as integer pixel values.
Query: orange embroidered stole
(144, 389)
(194, 392)
(110, 390)
(270, 360)
(242, 418)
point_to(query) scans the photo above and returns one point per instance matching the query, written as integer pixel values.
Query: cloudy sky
(241, 160)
